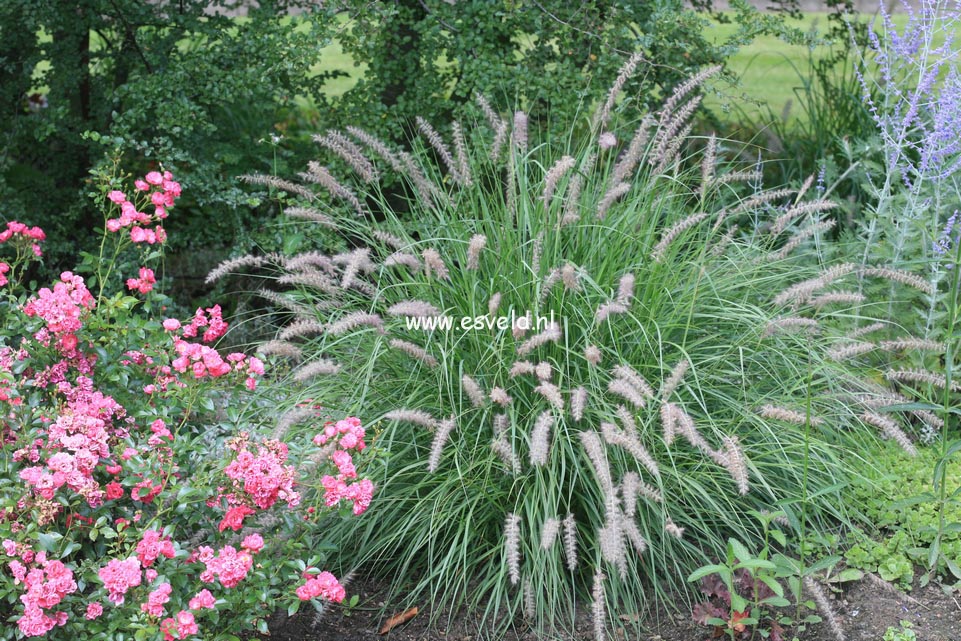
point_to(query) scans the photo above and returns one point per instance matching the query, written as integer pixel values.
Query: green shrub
(549, 57)
(685, 382)
(184, 82)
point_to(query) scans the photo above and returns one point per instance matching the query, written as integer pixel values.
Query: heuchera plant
(131, 506)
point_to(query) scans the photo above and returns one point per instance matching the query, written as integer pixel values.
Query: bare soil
(864, 609)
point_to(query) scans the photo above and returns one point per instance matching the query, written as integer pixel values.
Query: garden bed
(865, 610)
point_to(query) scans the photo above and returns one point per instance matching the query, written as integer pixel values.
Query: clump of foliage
(902, 507)
(546, 56)
(744, 591)
(901, 633)
(135, 502)
(185, 82)
(588, 364)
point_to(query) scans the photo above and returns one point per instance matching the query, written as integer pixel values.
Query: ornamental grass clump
(589, 359)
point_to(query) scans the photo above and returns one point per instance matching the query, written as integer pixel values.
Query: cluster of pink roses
(118, 576)
(229, 566)
(258, 480)
(154, 606)
(202, 360)
(77, 441)
(323, 585)
(145, 283)
(162, 191)
(46, 581)
(22, 236)
(61, 309)
(346, 434)
(7, 392)
(153, 545)
(180, 627)
(32, 235)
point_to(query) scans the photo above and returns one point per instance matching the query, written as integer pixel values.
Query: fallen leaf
(398, 619)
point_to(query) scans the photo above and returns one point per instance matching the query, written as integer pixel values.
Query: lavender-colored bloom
(821, 185)
(949, 236)
(915, 98)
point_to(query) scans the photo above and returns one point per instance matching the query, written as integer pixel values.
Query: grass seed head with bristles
(320, 175)
(233, 266)
(679, 273)
(441, 435)
(677, 375)
(498, 124)
(500, 396)
(592, 354)
(560, 168)
(350, 152)
(603, 115)
(543, 371)
(549, 532)
(476, 246)
(541, 438)
(797, 211)
(435, 140)
(890, 428)
(414, 351)
(824, 607)
(512, 546)
(460, 147)
(322, 367)
(801, 236)
(473, 391)
(417, 417)
(301, 327)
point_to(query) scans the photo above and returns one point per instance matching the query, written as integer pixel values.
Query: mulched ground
(865, 610)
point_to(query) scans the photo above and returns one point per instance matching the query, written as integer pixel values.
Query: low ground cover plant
(134, 503)
(904, 512)
(685, 370)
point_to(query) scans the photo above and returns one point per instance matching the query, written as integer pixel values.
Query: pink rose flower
(203, 600)
(253, 543)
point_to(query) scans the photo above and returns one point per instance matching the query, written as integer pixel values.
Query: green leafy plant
(911, 84)
(749, 585)
(901, 633)
(903, 514)
(588, 364)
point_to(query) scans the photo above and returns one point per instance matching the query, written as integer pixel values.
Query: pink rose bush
(134, 495)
